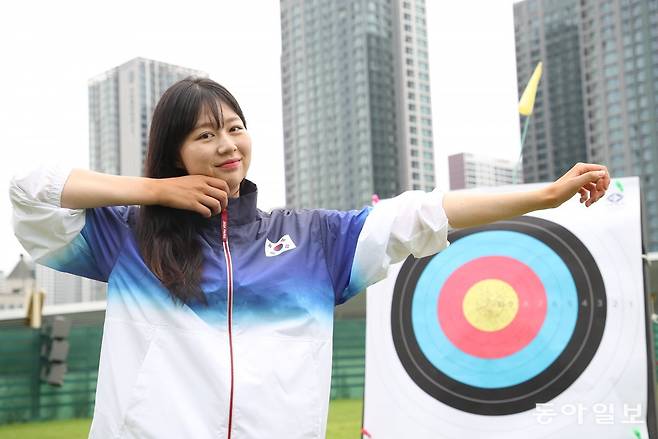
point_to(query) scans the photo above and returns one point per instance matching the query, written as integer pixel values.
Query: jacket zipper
(229, 306)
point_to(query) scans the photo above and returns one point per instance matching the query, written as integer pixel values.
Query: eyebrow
(205, 125)
(211, 125)
(232, 118)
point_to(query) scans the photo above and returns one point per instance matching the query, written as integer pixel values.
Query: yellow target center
(490, 305)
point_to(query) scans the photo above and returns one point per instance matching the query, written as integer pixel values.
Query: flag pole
(526, 105)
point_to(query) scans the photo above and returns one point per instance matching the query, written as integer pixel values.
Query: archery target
(546, 309)
(496, 335)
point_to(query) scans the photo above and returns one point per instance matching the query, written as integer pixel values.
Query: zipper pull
(224, 225)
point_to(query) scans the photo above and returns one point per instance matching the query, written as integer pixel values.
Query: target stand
(527, 328)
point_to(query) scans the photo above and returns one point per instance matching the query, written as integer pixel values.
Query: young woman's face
(223, 152)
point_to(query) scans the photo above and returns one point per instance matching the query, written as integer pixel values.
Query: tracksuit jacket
(254, 363)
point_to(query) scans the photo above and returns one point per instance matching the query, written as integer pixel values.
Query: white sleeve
(412, 223)
(40, 223)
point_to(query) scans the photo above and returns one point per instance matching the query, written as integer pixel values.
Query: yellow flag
(527, 101)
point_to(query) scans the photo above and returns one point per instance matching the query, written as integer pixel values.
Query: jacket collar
(241, 210)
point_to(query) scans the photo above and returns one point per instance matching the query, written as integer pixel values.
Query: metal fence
(349, 362)
(22, 395)
(24, 398)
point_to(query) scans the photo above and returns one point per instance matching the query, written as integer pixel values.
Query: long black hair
(167, 237)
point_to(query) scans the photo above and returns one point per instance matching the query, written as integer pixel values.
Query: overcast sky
(51, 49)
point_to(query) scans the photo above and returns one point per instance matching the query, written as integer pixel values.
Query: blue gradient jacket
(255, 362)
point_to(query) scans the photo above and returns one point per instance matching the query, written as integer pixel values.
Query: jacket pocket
(181, 389)
(279, 388)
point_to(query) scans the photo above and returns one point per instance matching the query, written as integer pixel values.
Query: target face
(508, 316)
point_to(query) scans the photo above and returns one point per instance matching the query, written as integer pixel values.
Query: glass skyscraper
(356, 101)
(548, 30)
(597, 101)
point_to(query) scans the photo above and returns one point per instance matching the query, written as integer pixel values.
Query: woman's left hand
(589, 180)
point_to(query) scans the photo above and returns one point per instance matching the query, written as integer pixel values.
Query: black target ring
(553, 380)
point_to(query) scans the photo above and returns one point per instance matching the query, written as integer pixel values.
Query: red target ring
(518, 333)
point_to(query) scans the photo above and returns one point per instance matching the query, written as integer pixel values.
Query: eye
(206, 135)
(236, 128)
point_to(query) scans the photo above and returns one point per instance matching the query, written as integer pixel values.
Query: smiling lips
(230, 164)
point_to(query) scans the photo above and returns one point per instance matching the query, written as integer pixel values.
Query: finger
(590, 177)
(588, 167)
(218, 183)
(600, 185)
(219, 195)
(211, 203)
(604, 183)
(595, 194)
(583, 195)
(201, 210)
(591, 188)
(589, 191)
(607, 179)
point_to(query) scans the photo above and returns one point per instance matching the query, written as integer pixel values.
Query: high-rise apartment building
(121, 102)
(356, 101)
(470, 171)
(600, 86)
(549, 31)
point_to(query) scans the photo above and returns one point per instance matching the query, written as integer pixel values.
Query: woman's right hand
(205, 195)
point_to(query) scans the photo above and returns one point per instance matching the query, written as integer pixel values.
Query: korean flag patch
(276, 248)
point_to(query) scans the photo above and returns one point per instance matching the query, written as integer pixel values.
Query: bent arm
(52, 205)
(87, 189)
(78, 241)
(199, 193)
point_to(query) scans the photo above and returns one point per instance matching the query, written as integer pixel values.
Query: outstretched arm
(472, 209)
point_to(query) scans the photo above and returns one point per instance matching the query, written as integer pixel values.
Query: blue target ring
(555, 333)
(536, 372)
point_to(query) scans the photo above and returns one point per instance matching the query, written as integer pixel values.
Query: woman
(219, 316)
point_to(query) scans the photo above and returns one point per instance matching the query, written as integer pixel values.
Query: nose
(225, 144)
